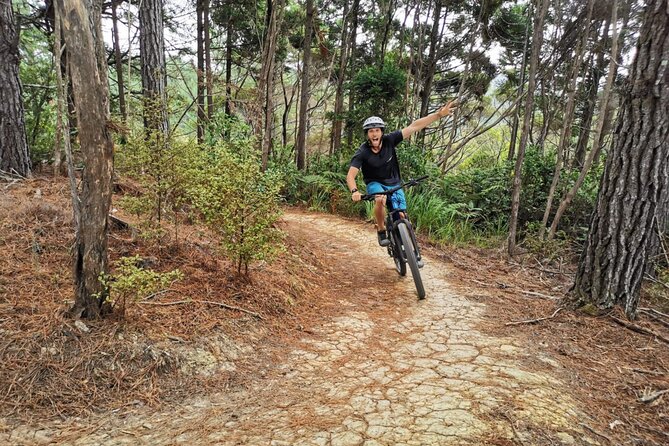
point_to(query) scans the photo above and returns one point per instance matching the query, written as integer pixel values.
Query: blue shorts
(397, 200)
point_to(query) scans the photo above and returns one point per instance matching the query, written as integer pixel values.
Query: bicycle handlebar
(370, 197)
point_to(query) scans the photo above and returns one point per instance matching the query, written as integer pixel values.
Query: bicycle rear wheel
(410, 253)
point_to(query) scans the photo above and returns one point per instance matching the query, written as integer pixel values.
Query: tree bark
(537, 41)
(89, 90)
(301, 143)
(631, 204)
(14, 158)
(154, 78)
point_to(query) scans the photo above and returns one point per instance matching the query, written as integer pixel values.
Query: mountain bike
(403, 246)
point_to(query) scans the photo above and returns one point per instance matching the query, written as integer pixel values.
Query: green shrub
(131, 282)
(238, 201)
(162, 170)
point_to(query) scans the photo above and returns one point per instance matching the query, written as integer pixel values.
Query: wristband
(354, 190)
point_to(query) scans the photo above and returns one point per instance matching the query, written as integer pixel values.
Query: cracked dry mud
(418, 374)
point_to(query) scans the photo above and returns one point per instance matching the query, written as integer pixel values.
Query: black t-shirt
(383, 166)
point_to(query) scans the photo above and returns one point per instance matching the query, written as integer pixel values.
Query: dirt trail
(403, 371)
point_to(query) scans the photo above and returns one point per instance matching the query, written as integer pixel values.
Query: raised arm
(420, 124)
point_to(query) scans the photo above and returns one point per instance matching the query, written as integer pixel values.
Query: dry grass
(51, 367)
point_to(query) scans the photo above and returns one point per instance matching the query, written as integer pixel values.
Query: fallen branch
(8, 176)
(533, 321)
(157, 293)
(649, 398)
(652, 310)
(639, 329)
(654, 280)
(542, 268)
(596, 433)
(9, 184)
(543, 296)
(209, 302)
(647, 372)
(656, 318)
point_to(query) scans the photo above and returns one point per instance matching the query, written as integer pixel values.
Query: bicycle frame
(403, 247)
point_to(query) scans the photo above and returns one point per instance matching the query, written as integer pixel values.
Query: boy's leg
(379, 211)
(379, 202)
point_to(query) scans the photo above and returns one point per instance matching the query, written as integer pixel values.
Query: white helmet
(373, 122)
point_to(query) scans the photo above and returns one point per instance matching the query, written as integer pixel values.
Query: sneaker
(383, 239)
(420, 263)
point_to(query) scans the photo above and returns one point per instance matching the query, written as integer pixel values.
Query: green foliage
(162, 169)
(322, 187)
(38, 78)
(238, 201)
(131, 282)
(551, 250)
(379, 91)
(537, 175)
(483, 184)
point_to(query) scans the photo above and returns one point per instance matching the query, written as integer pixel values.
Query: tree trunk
(14, 156)
(431, 63)
(96, 148)
(118, 64)
(207, 61)
(631, 204)
(301, 143)
(60, 98)
(63, 125)
(390, 7)
(537, 41)
(266, 82)
(228, 59)
(152, 55)
(523, 66)
(350, 127)
(449, 151)
(599, 132)
(565, 136)
(337, 123)
(588, 108)
(199, 13)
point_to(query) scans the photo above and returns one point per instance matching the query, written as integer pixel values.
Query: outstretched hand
(448, 108)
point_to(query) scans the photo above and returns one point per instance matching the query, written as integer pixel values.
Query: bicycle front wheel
(410, 253)
(395, 251)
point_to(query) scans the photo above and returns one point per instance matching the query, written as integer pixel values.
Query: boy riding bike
(380, 169)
